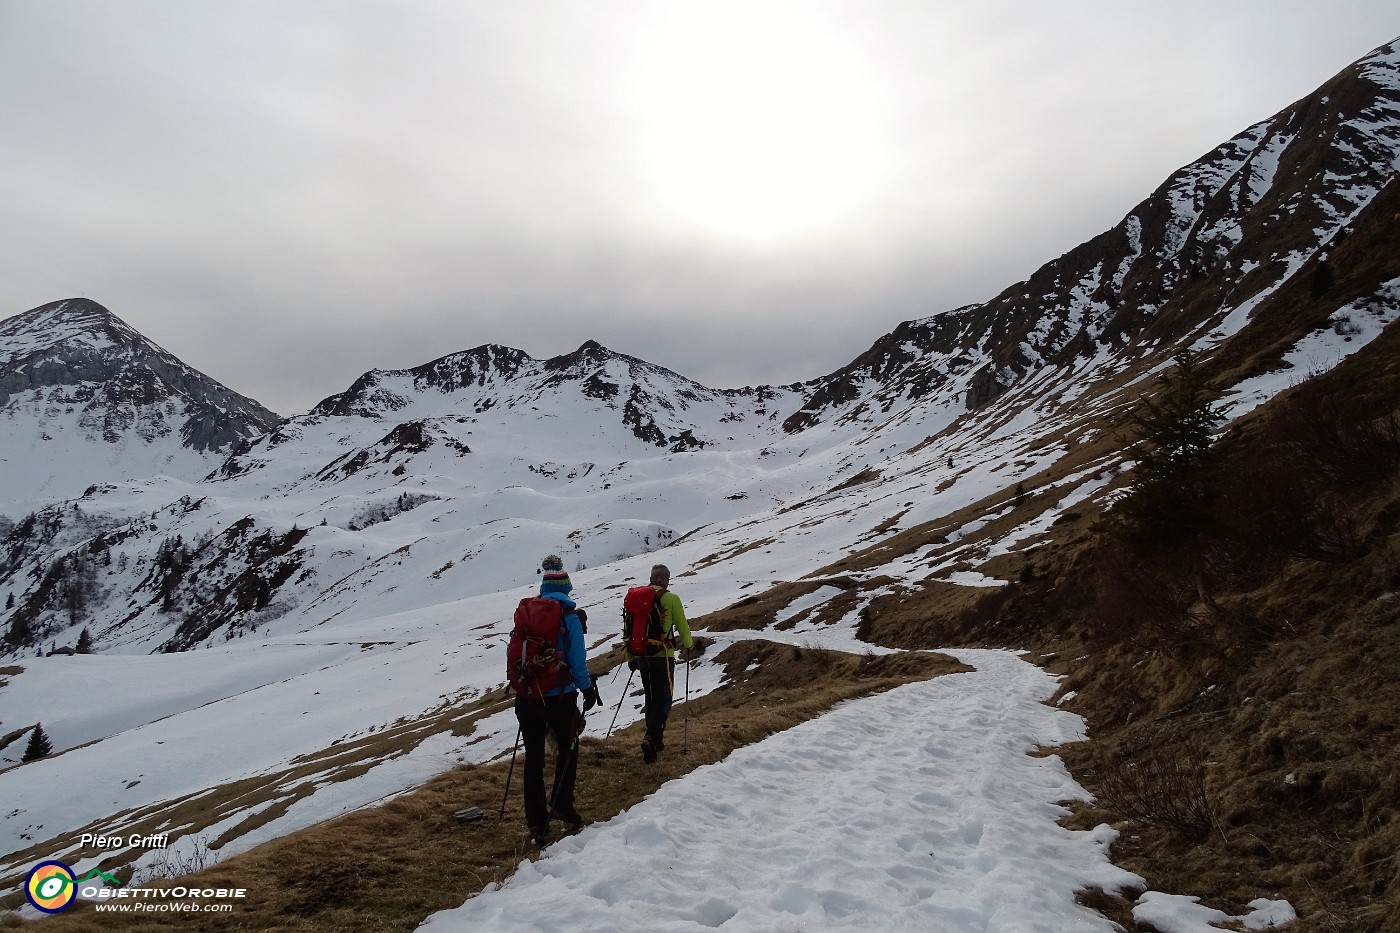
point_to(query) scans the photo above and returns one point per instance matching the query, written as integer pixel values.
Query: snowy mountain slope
(601, 455)
(1197, 259)
(301, 540)
(409, 513)
(86, 399)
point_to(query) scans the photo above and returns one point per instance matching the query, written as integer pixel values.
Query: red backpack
(642, 622)
(534, 664)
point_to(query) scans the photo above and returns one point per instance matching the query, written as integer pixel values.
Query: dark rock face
(396, 447)
(95, 361)
(642, 424)
(479, 367)
(983, 388)
(595, 386)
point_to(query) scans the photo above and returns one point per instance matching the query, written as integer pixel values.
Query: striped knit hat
(555, 580)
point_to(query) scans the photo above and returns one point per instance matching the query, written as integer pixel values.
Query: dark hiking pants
(658, 676)
(558, 714)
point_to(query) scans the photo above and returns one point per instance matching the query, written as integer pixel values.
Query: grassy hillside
(1240, 673)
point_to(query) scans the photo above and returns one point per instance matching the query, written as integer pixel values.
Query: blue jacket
(571, 645)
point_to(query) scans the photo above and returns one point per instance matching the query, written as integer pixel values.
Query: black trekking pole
(510, 774)
(685, 721)
(619, 704)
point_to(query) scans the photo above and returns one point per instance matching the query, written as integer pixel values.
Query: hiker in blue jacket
(556, 712)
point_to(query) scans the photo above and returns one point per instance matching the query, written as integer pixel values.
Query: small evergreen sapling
(1173, 485)
(39, 745)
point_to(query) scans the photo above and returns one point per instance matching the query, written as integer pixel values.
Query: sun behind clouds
(759, 122)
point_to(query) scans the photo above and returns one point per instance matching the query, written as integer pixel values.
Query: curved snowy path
(917, 809)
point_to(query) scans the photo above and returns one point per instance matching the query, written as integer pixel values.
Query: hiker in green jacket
(659, 671)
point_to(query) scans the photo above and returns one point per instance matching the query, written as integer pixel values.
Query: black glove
(590, 697)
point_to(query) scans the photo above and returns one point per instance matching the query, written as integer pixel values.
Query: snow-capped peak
(88, 399)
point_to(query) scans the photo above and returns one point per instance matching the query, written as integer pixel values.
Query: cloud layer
(288, 195)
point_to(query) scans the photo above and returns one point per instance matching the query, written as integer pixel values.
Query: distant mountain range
(164, 511)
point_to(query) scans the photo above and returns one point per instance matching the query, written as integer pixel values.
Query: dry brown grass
(760, 611)
(388, 867)
(735, 549)
(1295, 733)
(271, 794)
(1039, 491)
(925, 616)
(1286, 692)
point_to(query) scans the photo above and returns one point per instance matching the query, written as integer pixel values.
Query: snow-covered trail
(918, 809)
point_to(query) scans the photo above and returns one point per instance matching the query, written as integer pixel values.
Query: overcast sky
(286, 194)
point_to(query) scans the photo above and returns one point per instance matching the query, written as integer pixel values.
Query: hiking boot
(566, 815)
(648, 750)
(539, 834)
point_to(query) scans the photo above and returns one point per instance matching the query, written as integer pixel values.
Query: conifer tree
(84, 645)
(39, 745)
(1322, 279)
(19, 633)
(1173, 484)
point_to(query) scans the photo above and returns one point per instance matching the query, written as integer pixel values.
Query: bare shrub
(1278, 504)
(820, 656)
(1348, 441)
(1339, 535)
(984, 615)
(172, 863)
(1139, 602)
(1163, 784)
